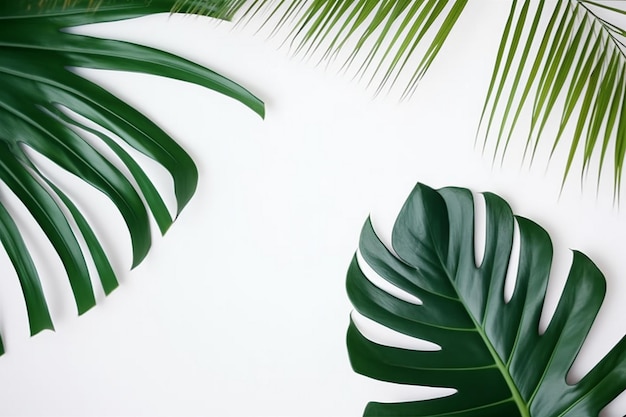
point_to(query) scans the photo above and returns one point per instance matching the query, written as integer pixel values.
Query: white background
(241, 308)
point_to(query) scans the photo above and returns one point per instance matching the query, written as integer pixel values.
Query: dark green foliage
(37, 86)
(491, 350)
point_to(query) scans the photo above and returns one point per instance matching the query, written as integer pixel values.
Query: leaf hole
(382, 335)
(383, 284)
(561, 262)
(511, 273)
(480, 227)
(611, 410)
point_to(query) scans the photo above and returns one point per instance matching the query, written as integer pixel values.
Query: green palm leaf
(576, 74)
(490, 350)
(562, 59)
(38, 87)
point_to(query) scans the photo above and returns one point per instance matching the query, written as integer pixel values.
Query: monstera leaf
(40, 95)
(490, 350)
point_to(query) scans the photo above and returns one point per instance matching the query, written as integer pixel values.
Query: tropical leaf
(40, 93)
(558, 59)
(490, 350)
(386, 32)
(576, 72)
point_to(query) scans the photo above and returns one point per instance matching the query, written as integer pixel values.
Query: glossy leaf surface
(490, 350)
(39, 93)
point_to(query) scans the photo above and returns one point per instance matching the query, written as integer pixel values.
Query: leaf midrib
(603, 25)
(517, 397)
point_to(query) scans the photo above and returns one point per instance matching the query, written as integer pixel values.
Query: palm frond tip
(575, 74)
(561, 61)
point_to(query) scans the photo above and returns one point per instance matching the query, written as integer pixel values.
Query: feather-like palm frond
(382, 35)
(563, 58)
